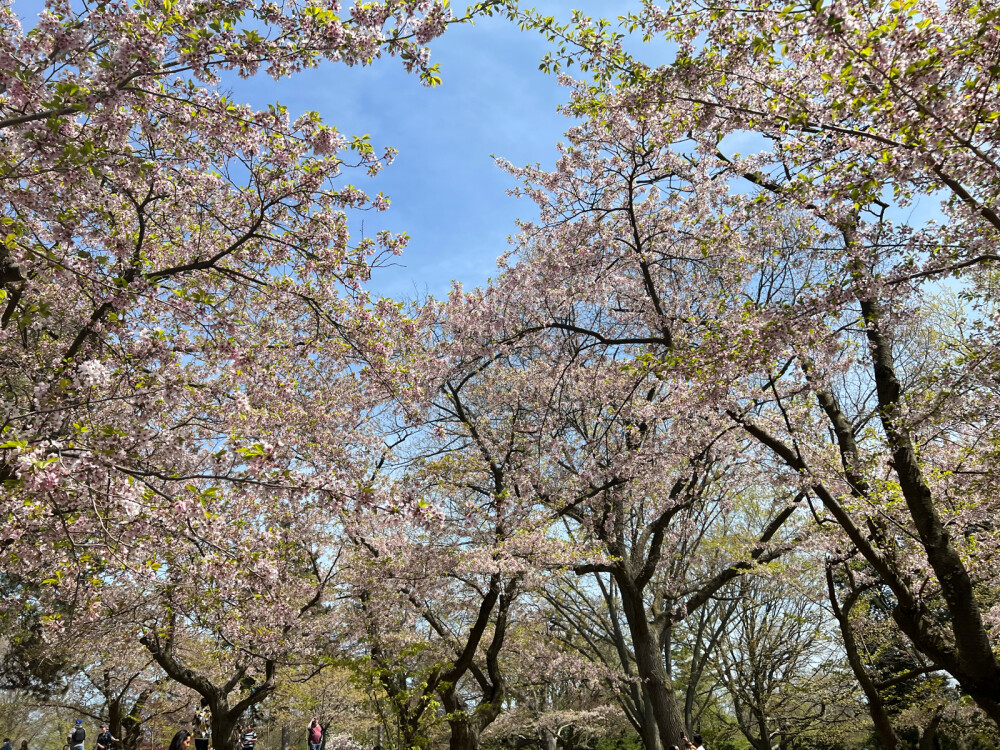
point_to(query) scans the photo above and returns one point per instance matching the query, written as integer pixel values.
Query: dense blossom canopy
(714, 405)
(184, 317)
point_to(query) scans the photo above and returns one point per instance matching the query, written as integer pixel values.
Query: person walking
(77, 736)
(6, 744)
(24, 745)
(181, 740)
(248, 738)
(202, 725)
(315, 735)
(105, 738)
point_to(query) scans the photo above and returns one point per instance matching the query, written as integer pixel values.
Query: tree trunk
(632, 698)
(763, 730)
(467, 727)
(115, 718)
(132, 737)
(224, 716)
(223, 730)
(464, 729)
(656, 683)
(464, 735)
(647, 731)
(131, 724)
(876, 706)
(928, 738)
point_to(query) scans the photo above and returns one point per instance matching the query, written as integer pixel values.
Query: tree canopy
(714, 451)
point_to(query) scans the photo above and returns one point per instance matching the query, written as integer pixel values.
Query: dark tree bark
(467, 726)
(633, 572)
(876, 706)
(955, 639)
(225, 716)
(969, 656)
(657, 684)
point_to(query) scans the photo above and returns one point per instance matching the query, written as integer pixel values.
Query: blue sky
(446, 192)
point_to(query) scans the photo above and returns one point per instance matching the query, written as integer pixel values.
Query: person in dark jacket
(77, 736)
(105, 738)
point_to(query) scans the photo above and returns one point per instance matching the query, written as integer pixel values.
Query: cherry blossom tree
(436, 581)
(464, 537)
(540, 722)
(627, 454)
(610, 451)
(191, 365)
(176, 265)
(435, 640)
(173, 257)
(229, 641)
(117, 684)
(783, 282)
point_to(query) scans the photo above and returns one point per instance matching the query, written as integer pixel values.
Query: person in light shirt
(249, 738)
